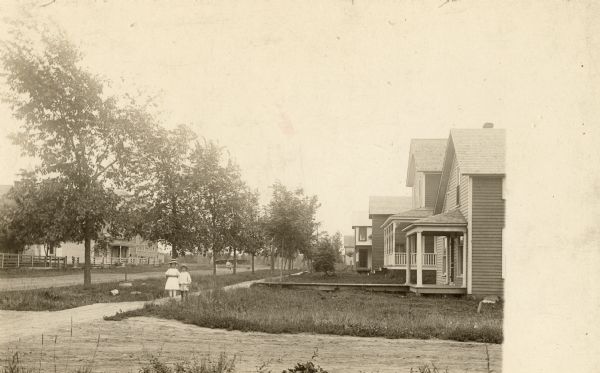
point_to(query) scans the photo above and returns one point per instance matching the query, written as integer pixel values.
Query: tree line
(107, 168)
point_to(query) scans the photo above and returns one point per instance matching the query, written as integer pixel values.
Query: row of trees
(107, 168)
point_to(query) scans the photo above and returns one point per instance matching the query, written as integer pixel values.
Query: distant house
(363, 234)
(381, 208)
(134, 251)
(349, 250)
(452, 240)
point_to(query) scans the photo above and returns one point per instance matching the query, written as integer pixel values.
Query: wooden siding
(450, 204)
(450, 198)
(486, 232)
(432, 184)
(377, 247)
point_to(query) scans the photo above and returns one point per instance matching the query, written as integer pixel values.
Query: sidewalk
(52, 322)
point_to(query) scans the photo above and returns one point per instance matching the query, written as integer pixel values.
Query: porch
(431, 252)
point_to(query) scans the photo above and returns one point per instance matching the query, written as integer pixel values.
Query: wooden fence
(36, 261)
(31, 261)
(108, 261)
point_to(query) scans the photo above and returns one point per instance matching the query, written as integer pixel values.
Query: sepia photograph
(299, 186)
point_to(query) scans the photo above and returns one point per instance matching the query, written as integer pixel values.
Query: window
(362, 233)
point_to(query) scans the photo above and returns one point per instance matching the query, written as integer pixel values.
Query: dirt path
(24, 283)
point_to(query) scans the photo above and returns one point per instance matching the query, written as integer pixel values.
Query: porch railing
(399, 259)
(429, 259)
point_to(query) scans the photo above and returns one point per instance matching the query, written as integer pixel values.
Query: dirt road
(125, 345)
(7, 284)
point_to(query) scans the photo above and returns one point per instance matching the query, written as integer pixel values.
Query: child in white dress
(172, 275)
(185, 280)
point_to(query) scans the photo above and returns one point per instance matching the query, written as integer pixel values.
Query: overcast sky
(325, 95)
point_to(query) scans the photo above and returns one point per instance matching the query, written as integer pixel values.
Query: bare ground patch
(126, 345)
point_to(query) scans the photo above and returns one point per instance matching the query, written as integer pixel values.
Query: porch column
(385, 245)
(407, 260)
(393, 251)
(464, 260)
(419, 259)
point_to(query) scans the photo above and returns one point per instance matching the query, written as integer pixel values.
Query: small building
(381, 208)
(363, 241)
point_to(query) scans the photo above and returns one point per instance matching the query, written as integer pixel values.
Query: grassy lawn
(344, 313)
(346, 277)
(54, 299)
(47, 272)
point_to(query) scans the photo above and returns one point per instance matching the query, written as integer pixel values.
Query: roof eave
(416, 224)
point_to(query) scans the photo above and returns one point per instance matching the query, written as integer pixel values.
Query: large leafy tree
(163, 199)
(217, 192)
(291, 221)
(83, 138)
(39, 212)
(250, 231)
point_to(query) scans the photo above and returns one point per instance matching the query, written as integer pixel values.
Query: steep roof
(480, 150)
(348, 241)
(388, 205)
(361, 219)
(425, 155)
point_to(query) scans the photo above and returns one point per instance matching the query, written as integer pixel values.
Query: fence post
(18, 260)
(2, 260)
(32, 261)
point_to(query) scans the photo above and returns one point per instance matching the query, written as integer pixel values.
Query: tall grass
(345, 313)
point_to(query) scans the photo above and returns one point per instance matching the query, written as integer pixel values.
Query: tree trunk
(214, 262)
(272, 259)
(173, 251)
(87, 266)
(234, 261)
(252, 263)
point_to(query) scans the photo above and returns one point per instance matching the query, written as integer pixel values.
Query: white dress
(184, 281)
(172, 279)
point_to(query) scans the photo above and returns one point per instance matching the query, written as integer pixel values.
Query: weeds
(428, 369)
(221, 364)
(344, 313)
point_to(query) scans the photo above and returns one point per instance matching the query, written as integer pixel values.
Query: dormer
(425, 162)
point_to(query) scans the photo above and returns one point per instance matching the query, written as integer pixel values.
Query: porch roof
(414, 214)
(450, 219)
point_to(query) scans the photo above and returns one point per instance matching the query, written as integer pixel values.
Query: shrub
(324, 259)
